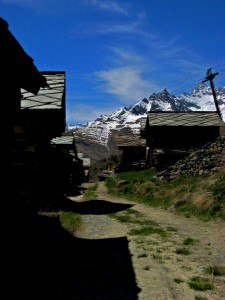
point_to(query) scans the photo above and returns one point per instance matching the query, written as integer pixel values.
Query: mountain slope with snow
(100, 130)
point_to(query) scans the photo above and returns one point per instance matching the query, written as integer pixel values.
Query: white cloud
(111, 6)
(121, 25)
(123, 57)
(126, 83)
(126, 79)
(113, 28)
(117, 28)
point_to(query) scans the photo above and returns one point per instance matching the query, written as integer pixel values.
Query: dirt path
(146, 267)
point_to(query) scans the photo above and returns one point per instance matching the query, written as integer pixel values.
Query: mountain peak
(200, 99)
(101, 131)
(165, 92)
(201, 87)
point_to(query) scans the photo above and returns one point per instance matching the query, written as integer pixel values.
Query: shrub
(218, 189)
(215, 270)
(183, 251)
(200, 284)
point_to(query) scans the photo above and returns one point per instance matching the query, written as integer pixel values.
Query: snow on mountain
(200, 99)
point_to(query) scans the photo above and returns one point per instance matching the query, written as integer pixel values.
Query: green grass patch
(188, 209)
(218, 189)
(200, 284)
(183, 251)
(178, 281)
(134, 212)
(123, 218)
(69, 220)
(132, 216)
(215, 270)
(158, 257)
(190, 241)
(91, 192)
(111, 183)
(144, 187)
(138, 176)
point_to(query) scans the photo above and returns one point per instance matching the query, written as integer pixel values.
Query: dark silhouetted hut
(133, 149)
(17, 71)
(41, 118)
(172, 135)
(72, 171)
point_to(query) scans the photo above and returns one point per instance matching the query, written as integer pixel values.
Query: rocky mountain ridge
(97, 139)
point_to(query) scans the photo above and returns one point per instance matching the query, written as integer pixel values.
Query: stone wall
(205, 161)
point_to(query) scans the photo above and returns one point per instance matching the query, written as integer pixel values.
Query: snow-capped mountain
(100, 130)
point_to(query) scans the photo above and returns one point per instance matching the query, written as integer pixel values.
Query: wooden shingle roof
(193, 118)
(130, 140)
(51, 97)
(63, 140)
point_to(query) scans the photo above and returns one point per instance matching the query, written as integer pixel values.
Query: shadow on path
(44, 261)
(93, 206)
(104, 270)
(96, 207)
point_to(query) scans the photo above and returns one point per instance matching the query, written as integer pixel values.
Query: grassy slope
(200, 196)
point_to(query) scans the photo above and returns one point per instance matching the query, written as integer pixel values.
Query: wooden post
(209, 77)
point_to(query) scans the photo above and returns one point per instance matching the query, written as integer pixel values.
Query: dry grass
(189, 195)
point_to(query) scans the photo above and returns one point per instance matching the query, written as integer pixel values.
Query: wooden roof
(51, 97)
(193, 118)
(130, 140)
(63, 140)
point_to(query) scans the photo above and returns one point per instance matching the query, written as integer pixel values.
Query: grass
(187, 195)
(215, 270)
(91, 192)
(190, 241)
(134, 212)
(132, 216)
(200, 284)
(178, 281)
(158, 257)
(122, 218)
(183, 251)
(69, 220)
(218, 189)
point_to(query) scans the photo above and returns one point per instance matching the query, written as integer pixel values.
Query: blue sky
(115, 53)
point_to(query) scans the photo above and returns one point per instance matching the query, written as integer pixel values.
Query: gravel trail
(123, 266)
